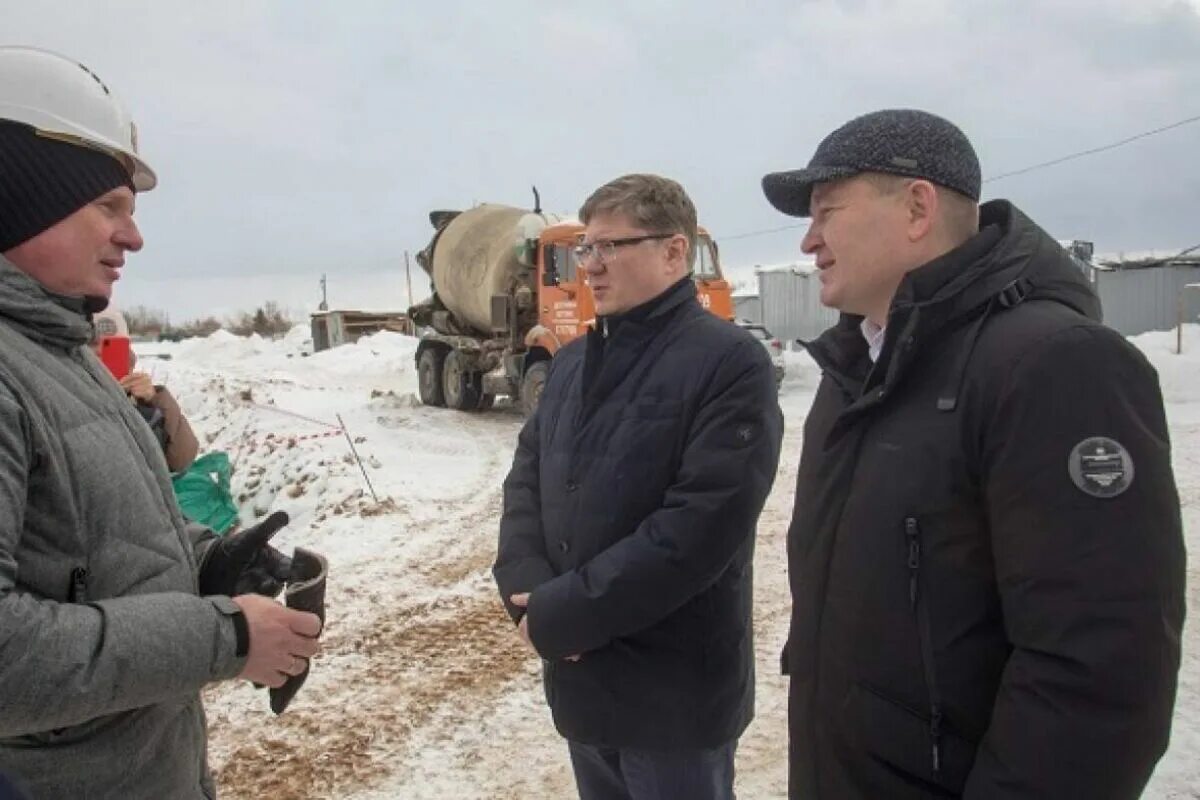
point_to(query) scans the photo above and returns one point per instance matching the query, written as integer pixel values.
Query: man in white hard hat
(114, 613)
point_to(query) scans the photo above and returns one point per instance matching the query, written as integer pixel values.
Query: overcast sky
(292, 138)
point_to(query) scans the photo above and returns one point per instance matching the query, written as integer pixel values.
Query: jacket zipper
(920, 609)
(77, 593)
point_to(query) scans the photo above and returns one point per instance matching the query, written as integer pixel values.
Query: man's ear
(677, 253)
(923, 202)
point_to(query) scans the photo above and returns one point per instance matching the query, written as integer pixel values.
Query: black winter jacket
(630, 514)
(986, 555)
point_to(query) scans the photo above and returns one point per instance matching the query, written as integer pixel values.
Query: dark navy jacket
(630, 514)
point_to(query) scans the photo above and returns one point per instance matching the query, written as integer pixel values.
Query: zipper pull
(912, 533)
(78, 591)
(935, 735)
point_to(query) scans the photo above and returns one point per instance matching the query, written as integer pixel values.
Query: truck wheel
(462, 384)
(429, 377)
(532, 385)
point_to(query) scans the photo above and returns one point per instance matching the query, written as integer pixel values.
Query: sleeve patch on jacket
(1101, 467)
(744, 433)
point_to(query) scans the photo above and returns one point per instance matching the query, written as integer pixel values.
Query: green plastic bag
(203, 492)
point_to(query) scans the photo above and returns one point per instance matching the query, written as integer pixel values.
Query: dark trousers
(606, 773)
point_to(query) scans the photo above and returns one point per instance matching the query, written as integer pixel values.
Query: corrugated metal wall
(747, 306)
(1134, 300)
(1140, 300)
(791, 305)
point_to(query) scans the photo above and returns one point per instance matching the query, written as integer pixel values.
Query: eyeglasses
(605, 249)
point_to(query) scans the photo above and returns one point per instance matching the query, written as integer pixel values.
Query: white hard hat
(110, 322)
(63, 99)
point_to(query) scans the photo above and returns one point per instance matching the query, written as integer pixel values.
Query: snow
(1134, 255)
(1178, 774)
(423, 690)
(197, 296)
(795, 267)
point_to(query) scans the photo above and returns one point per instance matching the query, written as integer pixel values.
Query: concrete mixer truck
(507, 295)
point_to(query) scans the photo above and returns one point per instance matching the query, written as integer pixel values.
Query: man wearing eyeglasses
(629, 513)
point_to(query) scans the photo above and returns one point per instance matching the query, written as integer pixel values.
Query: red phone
(115, 353)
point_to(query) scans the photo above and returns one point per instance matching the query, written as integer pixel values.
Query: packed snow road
(423, 690)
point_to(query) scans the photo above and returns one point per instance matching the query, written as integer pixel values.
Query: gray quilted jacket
(104, 641)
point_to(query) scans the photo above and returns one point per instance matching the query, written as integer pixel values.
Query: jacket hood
(1009, 261)
(41, 315)
(1010, 247)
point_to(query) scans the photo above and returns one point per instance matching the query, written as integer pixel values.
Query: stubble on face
(855, 238)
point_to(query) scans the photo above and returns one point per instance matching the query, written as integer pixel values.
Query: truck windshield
(568, 265)
(706, 265)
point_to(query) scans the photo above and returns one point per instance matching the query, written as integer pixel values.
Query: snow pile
(1178, 775)
(1179, 373)
(808, 266)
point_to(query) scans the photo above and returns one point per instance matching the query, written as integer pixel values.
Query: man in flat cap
(986, 556)
(114, 612)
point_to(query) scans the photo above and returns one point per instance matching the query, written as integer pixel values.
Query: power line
(1022, 171)
(1094, 150)
(763, 232)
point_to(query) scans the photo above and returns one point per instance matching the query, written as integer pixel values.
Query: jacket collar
(42, 315)
(670, 298)
(609, 360)
(1010, 252)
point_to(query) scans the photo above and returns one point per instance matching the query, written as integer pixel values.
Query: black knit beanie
(43, 181)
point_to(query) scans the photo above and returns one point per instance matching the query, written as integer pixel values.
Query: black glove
(305, 592)
(244, 562)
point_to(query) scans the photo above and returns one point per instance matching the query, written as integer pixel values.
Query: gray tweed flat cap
(896, 141)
